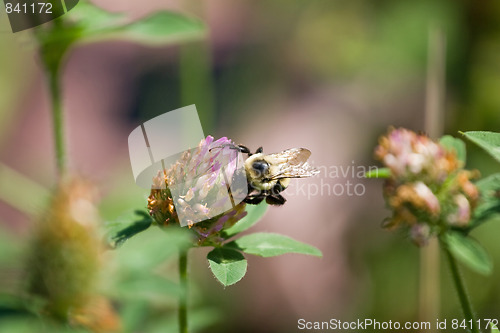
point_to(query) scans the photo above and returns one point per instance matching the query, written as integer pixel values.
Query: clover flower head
(64, 260)
(409, 155)
(427, 191)
(203, 189)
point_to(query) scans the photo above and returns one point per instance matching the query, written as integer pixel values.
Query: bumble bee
(268, 175)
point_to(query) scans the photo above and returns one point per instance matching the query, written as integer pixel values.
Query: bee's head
(257, 167)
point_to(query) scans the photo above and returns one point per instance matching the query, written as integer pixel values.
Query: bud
(413, 156)
(64, 261)
(420, 234)
(461, 215)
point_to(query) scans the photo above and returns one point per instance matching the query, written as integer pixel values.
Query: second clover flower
(428, 191)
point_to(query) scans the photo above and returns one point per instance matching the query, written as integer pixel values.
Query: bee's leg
(255, 196)
(254, 200)
(275, 199)
(244, 149)
(277, 188)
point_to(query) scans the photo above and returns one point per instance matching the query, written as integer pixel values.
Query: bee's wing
(291, 156)
(291, 163)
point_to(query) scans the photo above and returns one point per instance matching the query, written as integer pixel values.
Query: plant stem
(461, 290)
(183, 326)
(57, 120)
(436, 83)
(197, 86)
(434, 124)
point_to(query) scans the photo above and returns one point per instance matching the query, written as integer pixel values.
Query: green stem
(57, 120)
(183, 325)
(197, 86)
(462, 292)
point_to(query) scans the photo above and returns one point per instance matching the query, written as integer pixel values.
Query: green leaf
(484, 213)
(92, 19)
(148, 287)
(137, 269)
(163, 28)
(378, 173)
(489, 185)
(489, 204)
(228, 265)
(13, 191)
(134, 315)
(469, 252)
(456, 145)
(269, 245)
(160, 28)
(151, 248)
(254, 214)
(489, 141)
(12, 305)
(494, 328)
(128, 226)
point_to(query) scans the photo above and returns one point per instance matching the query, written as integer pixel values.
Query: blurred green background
(327, 75)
